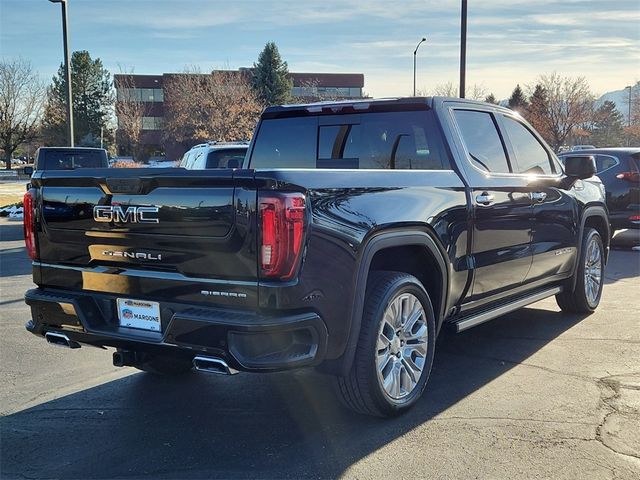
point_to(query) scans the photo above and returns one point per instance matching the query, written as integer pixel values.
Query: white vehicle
(215, 155)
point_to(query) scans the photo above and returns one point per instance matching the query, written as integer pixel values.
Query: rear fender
(374, 245)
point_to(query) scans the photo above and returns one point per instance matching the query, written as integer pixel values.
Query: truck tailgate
(110, 230)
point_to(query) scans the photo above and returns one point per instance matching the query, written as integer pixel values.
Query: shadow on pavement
(269, 426)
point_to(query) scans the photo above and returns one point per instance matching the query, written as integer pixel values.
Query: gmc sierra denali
(353, 233)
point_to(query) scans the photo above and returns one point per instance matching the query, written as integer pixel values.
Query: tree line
(224, 105)
(221, 105)
(564, 111)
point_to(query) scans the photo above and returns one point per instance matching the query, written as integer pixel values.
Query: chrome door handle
(484, 199)
(538, 196)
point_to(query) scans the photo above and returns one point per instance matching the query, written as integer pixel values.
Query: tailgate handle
(124, 185)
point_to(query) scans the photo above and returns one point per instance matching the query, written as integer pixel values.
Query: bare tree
(632, 123)
(569, 105)
(450, 89)
(217, 106)
(313, 93)
(22, 97)
(129, 109)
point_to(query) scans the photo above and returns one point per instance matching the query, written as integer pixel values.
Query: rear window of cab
(385, 140)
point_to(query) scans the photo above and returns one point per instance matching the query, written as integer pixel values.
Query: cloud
(587, 17)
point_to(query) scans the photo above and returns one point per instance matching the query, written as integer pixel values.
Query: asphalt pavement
(534, 394)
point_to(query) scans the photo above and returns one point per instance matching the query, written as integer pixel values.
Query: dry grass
(10, 198)
(128, 165)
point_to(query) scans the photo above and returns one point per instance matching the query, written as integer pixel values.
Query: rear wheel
(585, 298)
(395, 351)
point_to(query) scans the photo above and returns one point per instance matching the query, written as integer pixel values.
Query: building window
(152, 123)
(140, 94)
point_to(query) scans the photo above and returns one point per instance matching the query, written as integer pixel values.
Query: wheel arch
(376, 253)
(594, 216)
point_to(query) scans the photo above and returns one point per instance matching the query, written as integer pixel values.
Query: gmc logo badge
(118, 214)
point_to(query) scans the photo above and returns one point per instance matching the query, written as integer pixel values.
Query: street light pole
(629, 118)
(463, 47)
(415, 52)
(67, 71)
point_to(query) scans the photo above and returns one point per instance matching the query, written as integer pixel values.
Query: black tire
(169, 366)
(361, 390)
(578, 301)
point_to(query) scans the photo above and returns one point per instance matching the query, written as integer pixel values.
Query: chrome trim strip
(523, 302)
(147, 273)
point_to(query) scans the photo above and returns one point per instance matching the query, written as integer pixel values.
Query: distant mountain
(620, 98)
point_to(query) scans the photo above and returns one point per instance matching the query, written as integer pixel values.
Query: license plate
(139, 314)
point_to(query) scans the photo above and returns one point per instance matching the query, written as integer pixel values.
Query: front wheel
(585, 298)
(395, 350)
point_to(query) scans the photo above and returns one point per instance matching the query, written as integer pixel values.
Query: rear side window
(605, 162)
(484, 145)
(286, 143)
(185, 159)
(389, 140)
(532, 157)
(71, 159)
(226, 158)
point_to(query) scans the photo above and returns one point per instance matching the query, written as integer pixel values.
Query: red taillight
(630, 176)
(634, 218)
(29, 224)
(282, 220)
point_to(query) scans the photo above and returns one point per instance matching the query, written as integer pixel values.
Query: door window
(532, 157)
(605, 162)
(483, 142)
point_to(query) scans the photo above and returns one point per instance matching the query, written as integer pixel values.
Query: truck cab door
(501, 204)
(554, 231)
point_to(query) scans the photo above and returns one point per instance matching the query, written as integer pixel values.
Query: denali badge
(138, 255)
(115, 213)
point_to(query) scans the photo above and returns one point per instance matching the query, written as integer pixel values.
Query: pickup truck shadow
(269, 426)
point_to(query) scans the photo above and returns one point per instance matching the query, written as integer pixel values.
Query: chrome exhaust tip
(213, 365)
(60, 340)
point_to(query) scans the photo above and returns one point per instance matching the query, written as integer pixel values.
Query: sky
(509, 41)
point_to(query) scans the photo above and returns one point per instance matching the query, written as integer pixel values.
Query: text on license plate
(139, 314)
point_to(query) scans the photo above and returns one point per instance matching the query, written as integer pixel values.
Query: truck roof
(70, 148)
(365, 105)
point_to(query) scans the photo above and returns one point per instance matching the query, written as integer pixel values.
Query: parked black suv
(354, 233)
(69, 158)
(619, 171)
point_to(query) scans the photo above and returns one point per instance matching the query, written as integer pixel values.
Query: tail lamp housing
(282, 221)
(29, 223)
(629, 176)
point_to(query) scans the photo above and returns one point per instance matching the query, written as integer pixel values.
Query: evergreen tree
(537, 112)
(271, 76)
(608, 126)
(491, 98)
(92, 101)
(518, 101)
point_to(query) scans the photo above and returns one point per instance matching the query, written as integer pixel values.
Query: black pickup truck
(354, 233)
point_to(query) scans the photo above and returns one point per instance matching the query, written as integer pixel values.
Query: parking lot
(535, 394)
